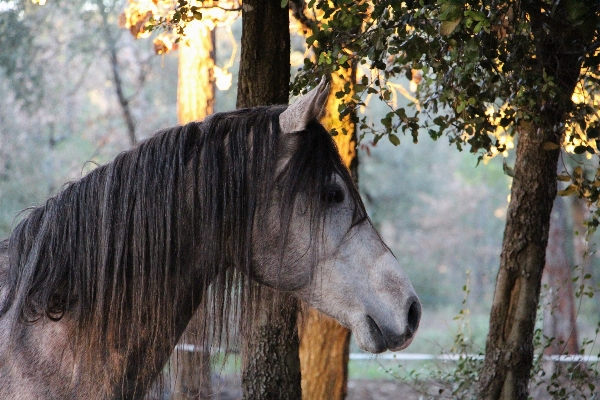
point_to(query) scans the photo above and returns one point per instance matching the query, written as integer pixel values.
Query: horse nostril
(414, 316)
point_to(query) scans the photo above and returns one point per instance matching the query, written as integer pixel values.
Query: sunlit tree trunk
(195, 101)
(324, 343)
(270, 362)
(195, 89)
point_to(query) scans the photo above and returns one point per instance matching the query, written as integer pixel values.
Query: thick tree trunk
(509, 347)
(324, 343)
(270, 362)
(195, 101)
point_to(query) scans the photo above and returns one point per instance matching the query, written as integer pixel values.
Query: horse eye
(332, 194)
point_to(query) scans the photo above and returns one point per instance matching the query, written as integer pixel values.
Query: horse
(98, 284)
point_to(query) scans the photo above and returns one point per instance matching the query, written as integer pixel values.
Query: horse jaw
(308, 107)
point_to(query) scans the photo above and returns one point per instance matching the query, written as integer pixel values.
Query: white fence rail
(455, 357)
(576, 358)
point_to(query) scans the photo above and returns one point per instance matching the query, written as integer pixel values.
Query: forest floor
(358, 389)
(363, 389)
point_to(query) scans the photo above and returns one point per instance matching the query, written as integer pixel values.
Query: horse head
(327, 251)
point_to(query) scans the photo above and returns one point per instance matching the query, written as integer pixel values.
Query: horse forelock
(117, 250)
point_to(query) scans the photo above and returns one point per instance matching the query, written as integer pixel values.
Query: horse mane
(110, 250)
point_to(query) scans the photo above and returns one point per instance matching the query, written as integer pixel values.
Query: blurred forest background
(67, 73)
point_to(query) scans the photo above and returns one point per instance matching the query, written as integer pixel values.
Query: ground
(366, 389)
(358, 389)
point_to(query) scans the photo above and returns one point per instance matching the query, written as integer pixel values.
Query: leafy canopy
(487, 70)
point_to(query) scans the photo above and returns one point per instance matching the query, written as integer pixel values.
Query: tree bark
(324, 343)
(509, 346)
(195, 101)
(264, 76)
(270, 362)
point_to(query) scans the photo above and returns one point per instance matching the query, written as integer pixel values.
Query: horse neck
(134, 371)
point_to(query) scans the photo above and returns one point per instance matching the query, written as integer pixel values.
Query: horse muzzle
(378, 333)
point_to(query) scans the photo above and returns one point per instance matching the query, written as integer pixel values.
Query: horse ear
(308, 107)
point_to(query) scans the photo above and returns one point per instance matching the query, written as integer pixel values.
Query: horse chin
(373, 339)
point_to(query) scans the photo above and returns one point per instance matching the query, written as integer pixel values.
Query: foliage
(483, 70)
(478, 60)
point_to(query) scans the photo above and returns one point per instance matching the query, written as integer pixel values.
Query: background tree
(559, 303)
(489, 66)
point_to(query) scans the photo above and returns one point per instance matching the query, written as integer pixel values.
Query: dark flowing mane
(110, 250)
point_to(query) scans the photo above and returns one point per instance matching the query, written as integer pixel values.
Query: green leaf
(451, 15)
(394, 139)
(284, 3)
(447, 27)
(475, 15)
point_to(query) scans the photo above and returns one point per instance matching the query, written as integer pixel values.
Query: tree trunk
(324, 343)
(195, 101)
(270, 362)
(264, 76)
(509, 347)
